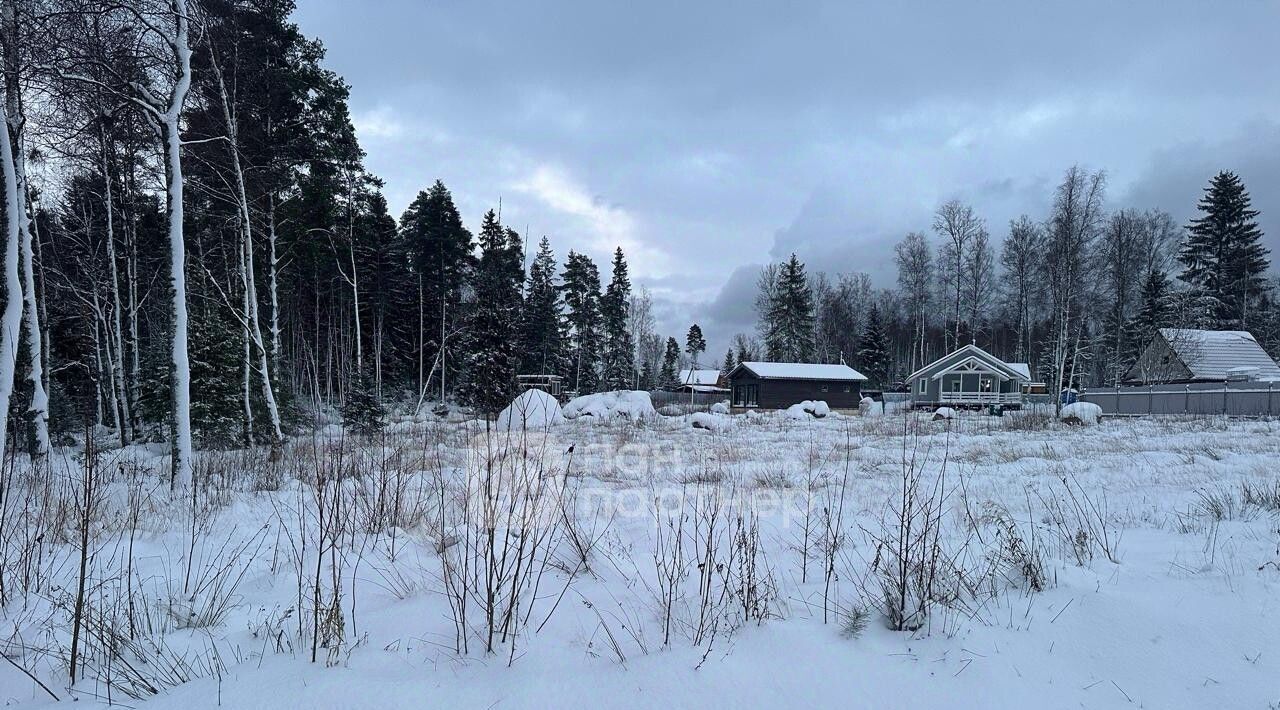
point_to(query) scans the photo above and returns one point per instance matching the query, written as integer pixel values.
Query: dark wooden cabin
(778, 385)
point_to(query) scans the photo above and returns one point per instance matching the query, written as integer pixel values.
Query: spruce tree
(728, 364)
(873, 352)
(618, 362)
(440, 250)
(1223, 258)
(1155, 311)
(648, 379)
(791, 315)
(542, 323)
(580, 285)
(489, 382)
(362, 412)
(669, 375)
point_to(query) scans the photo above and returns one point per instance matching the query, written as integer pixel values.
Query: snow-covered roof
(802, 371)
(1021, 368)
(1219, 354)
(699, 377)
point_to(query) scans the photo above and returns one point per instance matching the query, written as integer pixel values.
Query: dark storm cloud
(705, 136)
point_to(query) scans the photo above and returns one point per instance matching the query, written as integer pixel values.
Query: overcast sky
(707, 138)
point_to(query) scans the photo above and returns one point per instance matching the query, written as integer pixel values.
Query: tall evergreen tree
(542, 323)
(873, 351)
(791, 313)
(694, 345)
(1223, 258)
(727, 364)
(580, 285)
(1155, 311)
(489, 381)
(618, 362)
(440, 250)
(669, 375)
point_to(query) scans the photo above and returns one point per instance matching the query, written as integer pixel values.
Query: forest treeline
(195, 252)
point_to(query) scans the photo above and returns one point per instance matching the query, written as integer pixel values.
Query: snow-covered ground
(757, 562)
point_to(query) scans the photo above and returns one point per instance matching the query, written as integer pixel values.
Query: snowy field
(751, 561)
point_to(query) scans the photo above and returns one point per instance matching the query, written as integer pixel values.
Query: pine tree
(669, 375)
(542, 324)
(618, 362)
(490, 378)
(1223, 258)
(873, 352)
(694, 345)
(580, 286)
(727, 366)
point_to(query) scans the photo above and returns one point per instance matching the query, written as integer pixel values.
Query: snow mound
(944, 413)
(605, 406)
(720, 408)
(710, 422)
(1083, 413)
(808, 408)
(870, 408)
(531, 409)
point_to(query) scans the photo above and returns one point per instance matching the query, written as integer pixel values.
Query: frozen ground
(757, 563)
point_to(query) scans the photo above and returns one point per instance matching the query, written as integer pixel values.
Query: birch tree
(14, 41)
(163, 30)
(1072, 232)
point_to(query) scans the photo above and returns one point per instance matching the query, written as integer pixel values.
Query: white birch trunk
(253, 330)
(183, 457)
(17, 206)
(11, 321)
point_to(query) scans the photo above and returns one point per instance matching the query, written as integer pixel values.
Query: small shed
(778, 385)
(969, 377)
(1183, 356)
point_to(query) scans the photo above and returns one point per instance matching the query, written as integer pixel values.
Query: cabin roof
(1219, 354)
(800, 371)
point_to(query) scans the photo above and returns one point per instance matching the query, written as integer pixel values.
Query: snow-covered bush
(632, 405)
(944, 413)
(531, 409)
(808, 408)
(720, 408)
(710, 422)
(1081, 413)
(870, 408)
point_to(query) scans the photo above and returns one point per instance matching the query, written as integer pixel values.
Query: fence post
(1186, 404)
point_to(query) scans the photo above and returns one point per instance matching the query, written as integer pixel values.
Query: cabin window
(924, 386)
(847, 388)
(744, 395)
(823, 388)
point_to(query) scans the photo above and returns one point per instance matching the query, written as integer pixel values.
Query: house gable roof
(1218, 355)
(699, 377)
(799, 371)
(969, 352)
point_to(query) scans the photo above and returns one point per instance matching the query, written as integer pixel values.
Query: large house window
(745, 395)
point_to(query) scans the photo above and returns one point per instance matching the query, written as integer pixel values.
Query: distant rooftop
(1219, 354)
(802, 371)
